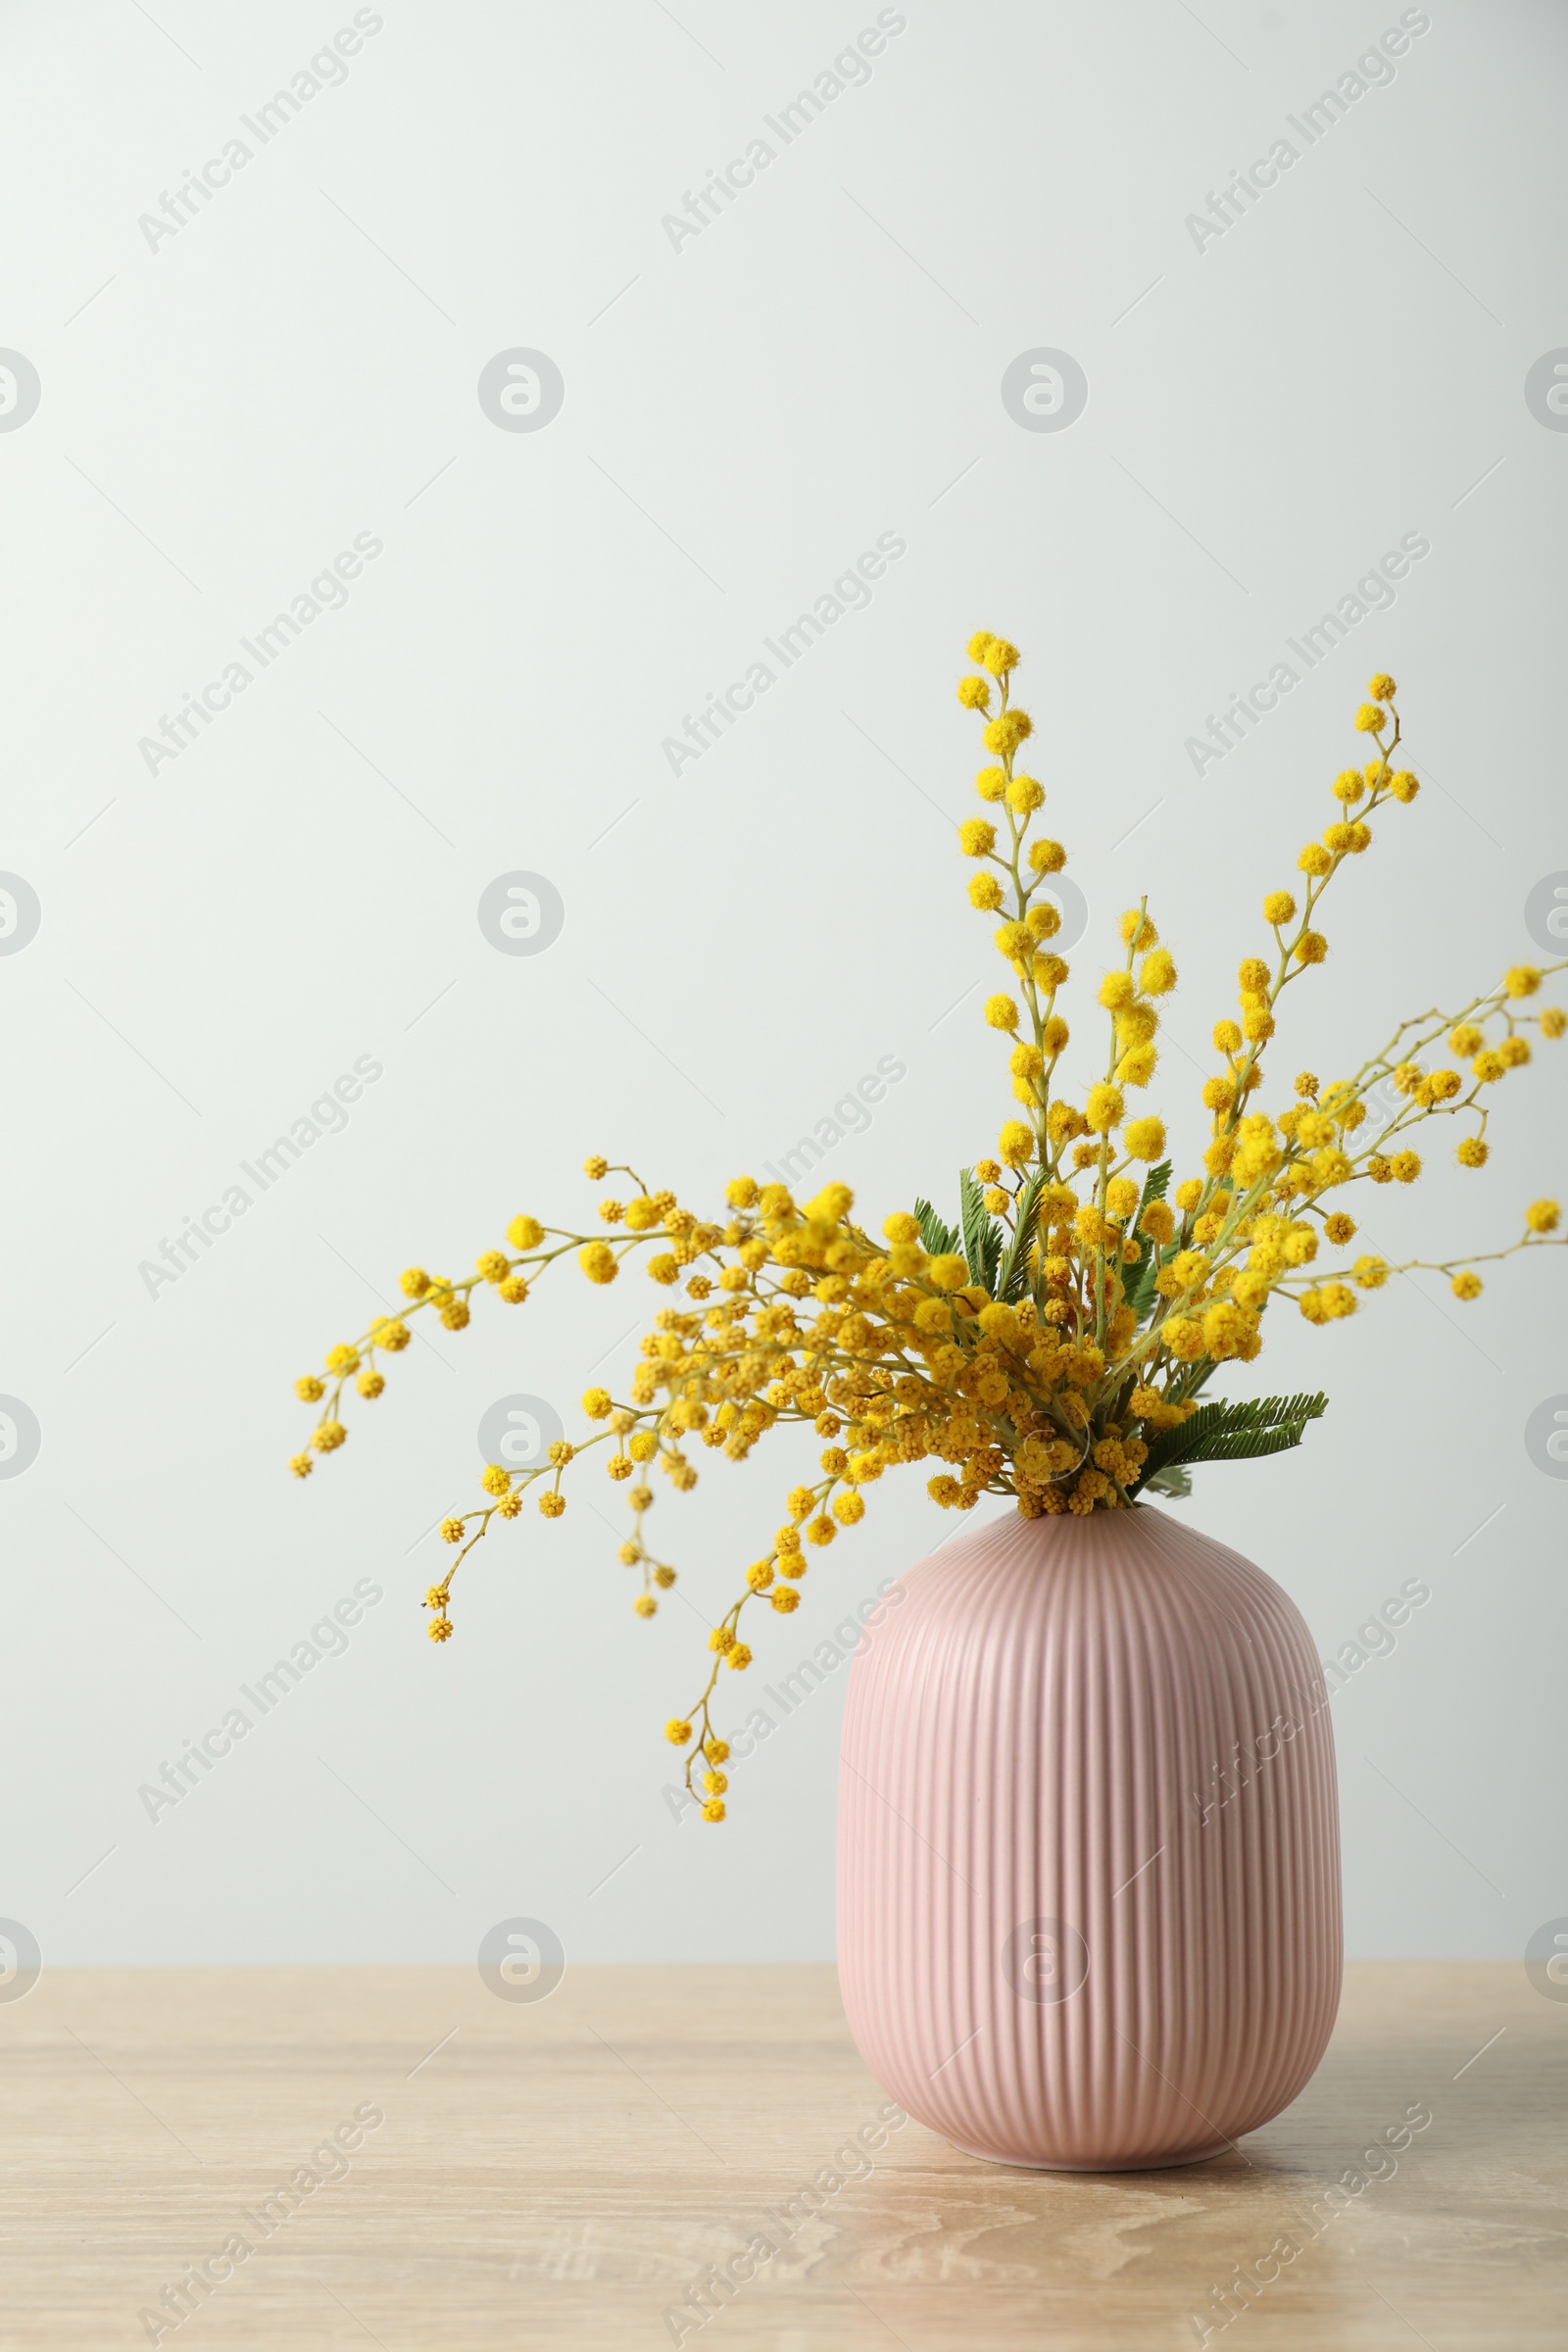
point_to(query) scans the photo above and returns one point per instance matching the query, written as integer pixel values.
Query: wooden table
(563, 2173)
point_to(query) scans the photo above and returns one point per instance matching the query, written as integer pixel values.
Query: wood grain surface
(563, 2173)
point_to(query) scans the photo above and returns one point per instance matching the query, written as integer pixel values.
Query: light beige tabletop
(564, 2173)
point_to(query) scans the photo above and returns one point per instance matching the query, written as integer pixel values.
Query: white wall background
(222, 411)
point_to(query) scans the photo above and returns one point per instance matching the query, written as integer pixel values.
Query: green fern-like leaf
(941, 1240)
(982, 1240)
(1226, 1431)
(1157, 1184)
(1140, 1292)
(1015, 1276)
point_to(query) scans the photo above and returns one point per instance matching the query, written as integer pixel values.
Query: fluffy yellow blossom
(1005, 733)
(1326, 1302)
(1184, 1338)
(1227, 1329)
(1157, 1221)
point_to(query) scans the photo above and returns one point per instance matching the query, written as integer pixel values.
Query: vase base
(1113, 2164)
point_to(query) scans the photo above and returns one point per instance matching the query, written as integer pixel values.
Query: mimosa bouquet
(1056, 1341)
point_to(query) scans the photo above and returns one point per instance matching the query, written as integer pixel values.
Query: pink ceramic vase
(1089, 1873)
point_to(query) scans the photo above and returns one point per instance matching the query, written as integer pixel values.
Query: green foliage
(994, 1258)
(982, 1239)
(1016, 1265)
(941, 1240)
(1226, 1432)
(1140, 1292)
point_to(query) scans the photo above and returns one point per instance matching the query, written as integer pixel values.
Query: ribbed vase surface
(1089, 1869)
